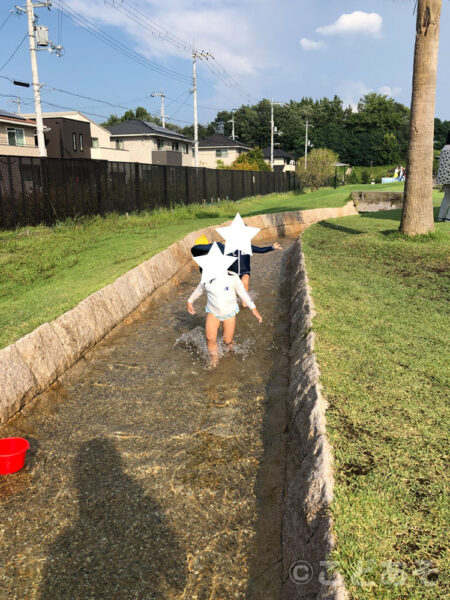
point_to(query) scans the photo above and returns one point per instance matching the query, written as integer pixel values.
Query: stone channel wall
(307, 536)
(373, 201)
(37, 360)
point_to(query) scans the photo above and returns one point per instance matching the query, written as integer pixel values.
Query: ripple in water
(195, 341)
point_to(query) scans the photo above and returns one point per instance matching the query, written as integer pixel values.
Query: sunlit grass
(383, 348)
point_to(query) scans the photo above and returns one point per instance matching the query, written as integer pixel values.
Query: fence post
(217, 185)
(45, 189)
(165, 186)
(11, 191)
(204, 184)
(186, 169)
(137, 186)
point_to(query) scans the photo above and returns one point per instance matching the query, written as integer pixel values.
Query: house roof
(74, 115)
(9, 117)
(277, 153)
(140, 127)
(218, 140)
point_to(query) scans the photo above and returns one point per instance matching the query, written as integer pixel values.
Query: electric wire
(15, 51)
(6, 20)
(119, 47)
(164, 34)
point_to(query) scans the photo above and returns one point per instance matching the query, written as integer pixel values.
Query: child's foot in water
(213, 361)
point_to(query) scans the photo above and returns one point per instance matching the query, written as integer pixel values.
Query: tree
(391, 150)
(417, 213)
(320, 169)
(253, 160)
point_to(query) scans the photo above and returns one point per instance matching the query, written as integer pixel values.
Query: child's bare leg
(211, 328)
(246, 281)
(229, 326)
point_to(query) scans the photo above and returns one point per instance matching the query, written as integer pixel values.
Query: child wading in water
(222, 307)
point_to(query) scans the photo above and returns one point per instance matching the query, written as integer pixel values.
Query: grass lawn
(46, 271)
(383, 348)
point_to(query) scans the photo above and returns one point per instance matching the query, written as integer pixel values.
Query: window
(81, 142)
(186, 148)
(221, 153)
(160, 144)
(95, 142)
(16, 137)
(119, 144)
(175, 146)
(74, 141)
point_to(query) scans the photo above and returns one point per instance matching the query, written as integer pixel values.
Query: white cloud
(206, 23)
(386, 90)
(351, 92)
(307, 44)
(354, 23)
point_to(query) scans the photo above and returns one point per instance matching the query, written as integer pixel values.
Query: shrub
(320, 169)
(365, 176)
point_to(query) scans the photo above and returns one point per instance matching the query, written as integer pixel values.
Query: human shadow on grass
(120, 547)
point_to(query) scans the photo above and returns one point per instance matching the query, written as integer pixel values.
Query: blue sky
(285, 50)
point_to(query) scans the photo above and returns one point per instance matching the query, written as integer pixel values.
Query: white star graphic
(214, 264)
(238, 236)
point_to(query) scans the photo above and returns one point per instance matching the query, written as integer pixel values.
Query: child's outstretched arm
(264, 249)
(245, 297)
(193, 297)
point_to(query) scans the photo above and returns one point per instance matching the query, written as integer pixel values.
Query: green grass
(46, 271)
(383, 348)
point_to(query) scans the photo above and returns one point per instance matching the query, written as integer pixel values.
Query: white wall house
(282, 160)
(219, 147)
(17, 135)
(149, 143)
(102, 147)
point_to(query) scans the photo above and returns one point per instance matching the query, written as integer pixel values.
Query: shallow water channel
(150, 476)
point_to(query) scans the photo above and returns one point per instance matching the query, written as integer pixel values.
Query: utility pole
(35, 79)
(17, 101)
(232, 126)
(196, 55)
(162, 95)
(272, 129)
(39, 41)
(307, 142)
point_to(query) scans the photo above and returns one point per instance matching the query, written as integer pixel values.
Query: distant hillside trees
(376, 133)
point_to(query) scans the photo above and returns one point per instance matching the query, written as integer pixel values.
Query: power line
(119, 47)
(5, 21)
(15, 51)
(157, 30)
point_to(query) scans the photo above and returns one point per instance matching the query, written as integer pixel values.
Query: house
(98, 138)
(219, 147)
(17, 135)
(282, 160)
(149, 143)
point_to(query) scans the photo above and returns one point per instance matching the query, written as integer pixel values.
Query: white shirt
(221, 295)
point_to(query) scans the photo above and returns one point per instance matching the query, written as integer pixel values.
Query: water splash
(195, 341)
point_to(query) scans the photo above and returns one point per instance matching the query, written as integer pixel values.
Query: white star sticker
(214, 265)
(238, 236)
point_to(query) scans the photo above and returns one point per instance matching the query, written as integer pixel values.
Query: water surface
(149, 476)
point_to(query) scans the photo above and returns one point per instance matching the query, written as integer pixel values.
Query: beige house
(17, 135)
(219, 147)
(282, 160)
(102, 148)
(149, 143)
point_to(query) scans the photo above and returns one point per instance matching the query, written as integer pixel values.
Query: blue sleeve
(202, 249)
(261, 249)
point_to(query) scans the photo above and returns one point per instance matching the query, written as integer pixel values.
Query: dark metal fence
(34, 190)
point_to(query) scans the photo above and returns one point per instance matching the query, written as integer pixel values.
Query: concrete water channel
(150, 476)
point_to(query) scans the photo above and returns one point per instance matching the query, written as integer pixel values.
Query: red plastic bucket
(12, 454)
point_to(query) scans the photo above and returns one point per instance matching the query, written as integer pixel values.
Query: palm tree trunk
(417, 215)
